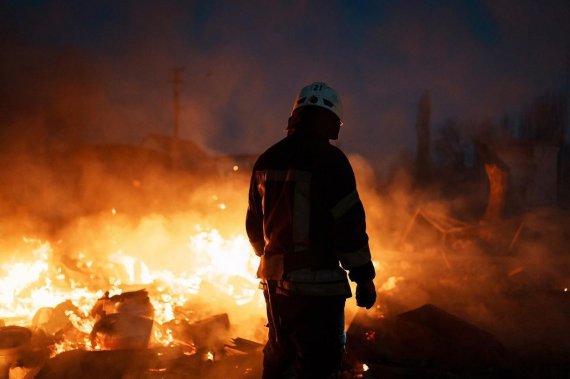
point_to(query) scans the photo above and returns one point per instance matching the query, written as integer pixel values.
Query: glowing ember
(370, 336)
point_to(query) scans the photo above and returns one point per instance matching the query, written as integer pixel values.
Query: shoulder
(270, 155)
(337, 153)
(338, 158)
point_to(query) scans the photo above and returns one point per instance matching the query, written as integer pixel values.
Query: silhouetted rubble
(426, 342)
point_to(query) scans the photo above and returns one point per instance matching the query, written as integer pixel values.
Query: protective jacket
(305, 217)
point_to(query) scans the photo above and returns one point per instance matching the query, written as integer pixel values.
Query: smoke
(100, 72)
(508, 278)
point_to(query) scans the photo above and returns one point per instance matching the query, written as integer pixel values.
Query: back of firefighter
(306, 222)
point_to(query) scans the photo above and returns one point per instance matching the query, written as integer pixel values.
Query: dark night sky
(100, 69)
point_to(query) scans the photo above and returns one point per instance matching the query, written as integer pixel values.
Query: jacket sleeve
(349, 220)
(254, 217)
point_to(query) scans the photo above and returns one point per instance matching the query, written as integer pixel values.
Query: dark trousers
(310, 340)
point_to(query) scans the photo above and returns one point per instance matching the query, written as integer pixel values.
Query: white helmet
(319, 94)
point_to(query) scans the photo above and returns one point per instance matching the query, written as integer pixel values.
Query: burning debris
(121, 342)
(169, 322)
(118, 266)
(123, 321)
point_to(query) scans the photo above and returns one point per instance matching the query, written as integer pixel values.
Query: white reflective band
(345, 205)
(355, 258)
(316, 289)
(317, 276)
(284, 175)
(301, 215)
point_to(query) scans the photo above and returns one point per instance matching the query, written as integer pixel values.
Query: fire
(226, 264)
(28, 286)
(193, 265)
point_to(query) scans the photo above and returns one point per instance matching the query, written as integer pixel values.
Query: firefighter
(304, 218)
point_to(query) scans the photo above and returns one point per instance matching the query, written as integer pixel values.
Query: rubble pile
(425, 342)
(121, 344)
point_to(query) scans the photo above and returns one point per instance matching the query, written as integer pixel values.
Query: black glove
(365, 294)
